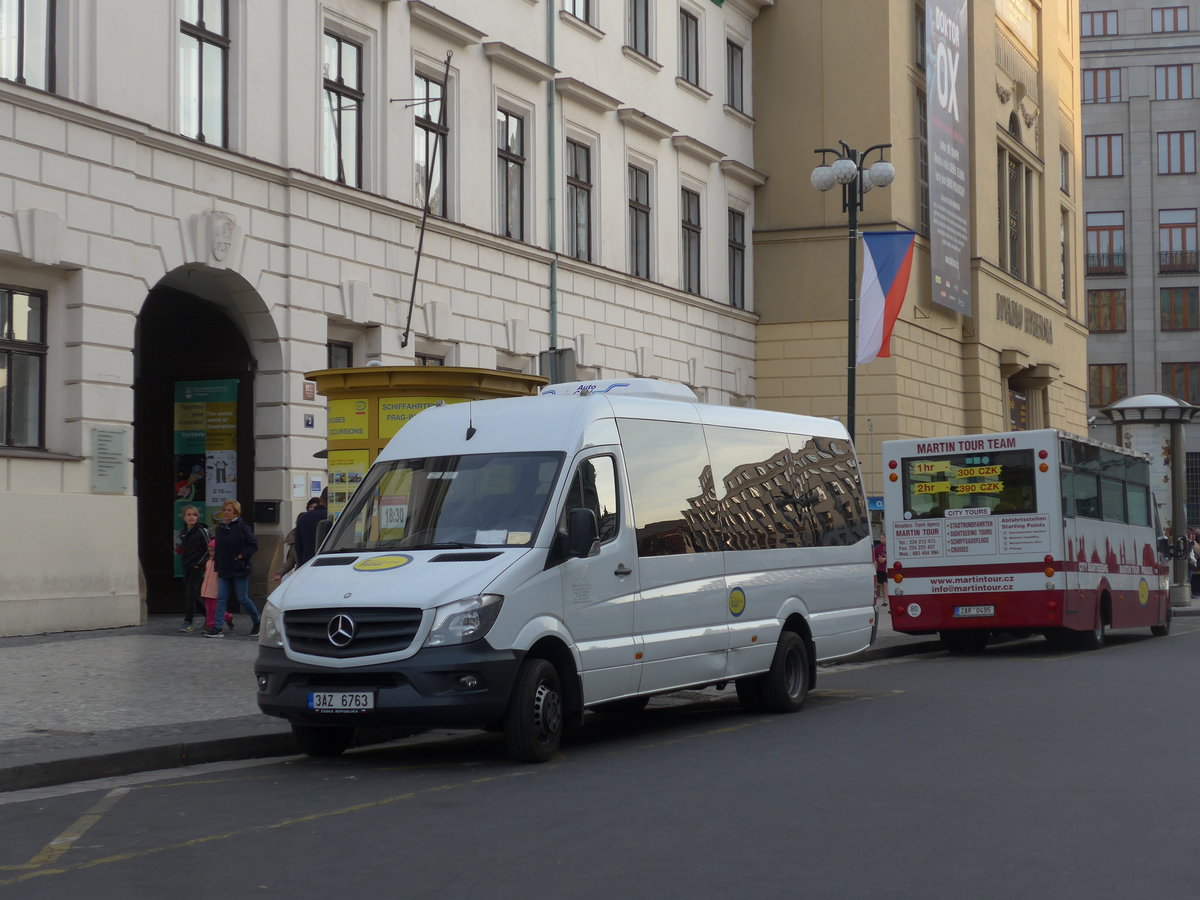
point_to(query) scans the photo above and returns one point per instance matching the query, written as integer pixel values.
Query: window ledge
(736, 114)
(33, 453)
(580, 25)
(641, 59)
(700, 92)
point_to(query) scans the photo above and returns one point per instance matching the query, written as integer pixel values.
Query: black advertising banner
(949, 153)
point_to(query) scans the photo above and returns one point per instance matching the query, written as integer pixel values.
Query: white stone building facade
(232, 190)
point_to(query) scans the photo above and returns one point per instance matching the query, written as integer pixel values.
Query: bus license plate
(341, 701)
(966, 612)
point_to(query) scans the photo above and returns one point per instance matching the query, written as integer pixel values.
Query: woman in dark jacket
(193, 549)
(235, 545)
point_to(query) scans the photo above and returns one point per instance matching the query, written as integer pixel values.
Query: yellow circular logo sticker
(382, 563)
(1143, 592)
(737, 601)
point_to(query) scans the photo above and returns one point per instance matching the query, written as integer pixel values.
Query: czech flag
(887, 262)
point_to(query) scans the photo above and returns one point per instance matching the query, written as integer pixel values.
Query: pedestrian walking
(193, 550)
(236, 545)
(880, 554)
(306, 528)
(209, 590)
(288, 554)
(1194, 563)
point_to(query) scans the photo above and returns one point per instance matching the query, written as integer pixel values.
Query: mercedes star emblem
(341, 630)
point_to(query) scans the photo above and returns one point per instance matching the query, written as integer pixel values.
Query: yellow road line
(49, 854)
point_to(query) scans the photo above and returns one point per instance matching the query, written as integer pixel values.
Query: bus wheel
(534, 724)
(785, 685)
(963, 642)
(1164, 629)
(1094, 639)
(316, 740)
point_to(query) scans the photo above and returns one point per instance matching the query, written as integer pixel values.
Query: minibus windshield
(484, 500)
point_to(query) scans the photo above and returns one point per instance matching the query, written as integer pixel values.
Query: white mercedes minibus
(512, 563)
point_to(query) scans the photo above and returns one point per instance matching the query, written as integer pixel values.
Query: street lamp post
(849, 169)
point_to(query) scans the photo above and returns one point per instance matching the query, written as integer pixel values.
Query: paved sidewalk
(96, 704)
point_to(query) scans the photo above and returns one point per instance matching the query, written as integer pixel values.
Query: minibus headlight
(464, 620)
(271, 626)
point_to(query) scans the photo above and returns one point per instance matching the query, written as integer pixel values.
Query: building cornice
(648, 125)
(743, 173)
(586, 94)
(515, 61)
(689, 146)
(448, 27)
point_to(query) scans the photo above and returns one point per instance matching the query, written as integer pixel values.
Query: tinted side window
(670, 487)
(594, 487)
(829, 491)
(753, 473)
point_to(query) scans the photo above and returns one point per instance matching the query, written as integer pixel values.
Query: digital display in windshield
(484, 500)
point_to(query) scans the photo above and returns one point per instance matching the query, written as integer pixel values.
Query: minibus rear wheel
(317, 740)
(533, 725)
(785, 685)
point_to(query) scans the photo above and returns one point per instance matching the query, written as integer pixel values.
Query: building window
(690, 208)
(737, 259)
(733, 66)
(1098, 24)
(689, 47)
(638, 24)
(1064, 170)
(923, 168)
(510, 173)
(1182, 380)
(1173, 82)
(639, 222)
(1107, 384)
(27, 42)
(1176, 152)
(1177, 241)
(428, 359)
(1169, 18)
(1106, 311)
(340, 354)
(580, 9)
(919, 50)
(579, 200)
(1103, 156)
(432, 137)
(1179, 309)
(204, 71)
(1064, 253)
(1106, 243)
(1101, 85)
(22, 367)
(342, 150)
(1017, 247)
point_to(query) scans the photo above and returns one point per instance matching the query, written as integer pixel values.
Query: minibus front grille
(350, 632)
(334, 560)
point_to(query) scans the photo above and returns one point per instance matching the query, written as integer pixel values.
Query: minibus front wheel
(533, 725)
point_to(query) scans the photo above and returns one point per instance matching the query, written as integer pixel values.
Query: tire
(629, 706)
(1164, 629)
(963, 642)
(786, 683)
(533, 725)
(317, 740)
(1094, 639)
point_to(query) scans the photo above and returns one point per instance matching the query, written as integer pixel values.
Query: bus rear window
(1001, 482)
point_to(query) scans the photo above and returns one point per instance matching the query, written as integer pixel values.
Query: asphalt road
(1023, 772)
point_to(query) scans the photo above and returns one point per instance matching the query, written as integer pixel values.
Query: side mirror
(583, 533)
(323, 528)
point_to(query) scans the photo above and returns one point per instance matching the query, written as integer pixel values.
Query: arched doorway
(193, 425)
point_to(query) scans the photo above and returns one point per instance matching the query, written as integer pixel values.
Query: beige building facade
(857, 71)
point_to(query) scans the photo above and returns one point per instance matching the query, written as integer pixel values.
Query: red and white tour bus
(1025, 532)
